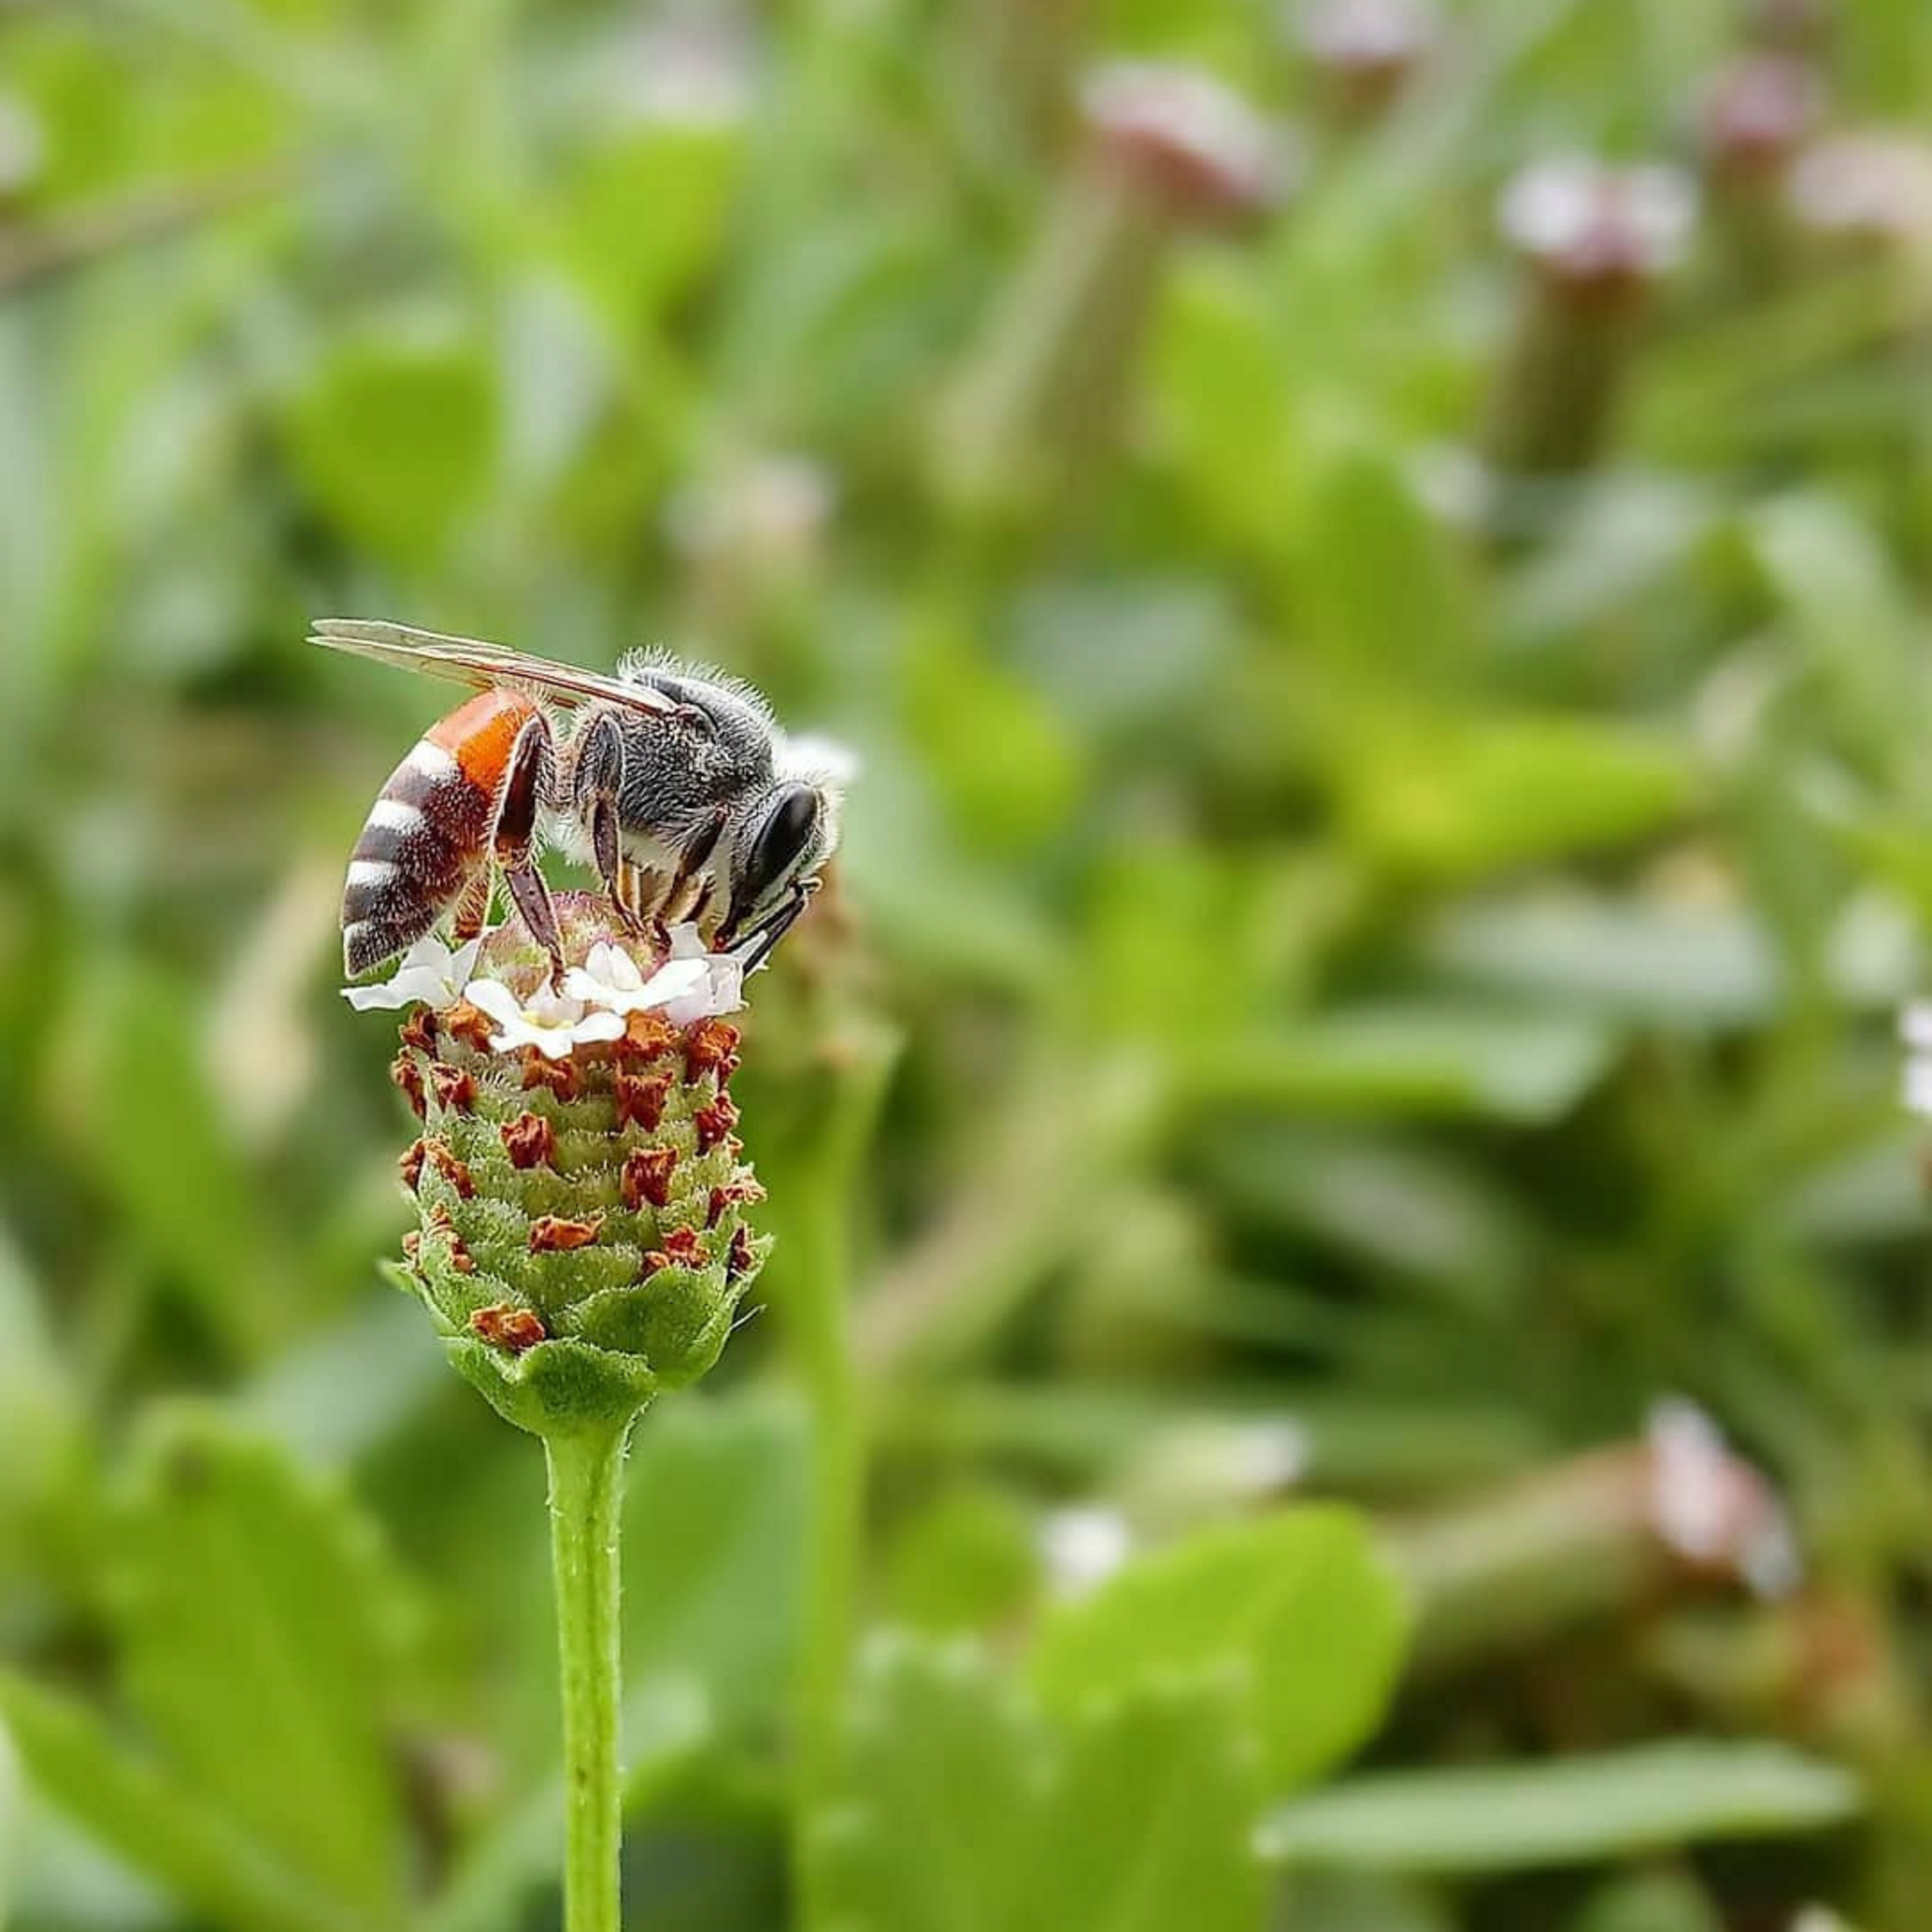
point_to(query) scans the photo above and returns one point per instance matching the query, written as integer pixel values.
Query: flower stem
(586, 1472)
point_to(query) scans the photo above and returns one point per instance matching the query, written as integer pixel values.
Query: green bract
(582, 1240)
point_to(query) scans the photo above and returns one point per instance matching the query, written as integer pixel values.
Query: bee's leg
(516, 842)
(689, 888)
(597, 778)
(473, 906)
(780, 923)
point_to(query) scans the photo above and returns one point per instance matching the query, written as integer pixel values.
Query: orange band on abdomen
(481, 735)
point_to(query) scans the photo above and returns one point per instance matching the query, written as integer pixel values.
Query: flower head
(1872, 188)
(580, 1184)
(1597, 230)
(1196, 145)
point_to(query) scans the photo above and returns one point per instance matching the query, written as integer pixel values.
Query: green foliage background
(1342, 981)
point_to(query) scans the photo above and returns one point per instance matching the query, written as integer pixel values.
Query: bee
(675, 784)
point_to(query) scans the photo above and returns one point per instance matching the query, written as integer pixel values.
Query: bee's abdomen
(430, 828)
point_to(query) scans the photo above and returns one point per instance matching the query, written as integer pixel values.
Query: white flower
(1713, 1508)
(610, 979)
(1083, 1547)
(1569, 206)
(429, 972)
(1914, 1027)
(693, 985)
(552, 1023)
(719, 987)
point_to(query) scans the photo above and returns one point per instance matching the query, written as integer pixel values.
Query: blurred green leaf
(142, 1813)
(165, 1159)
(964, 1562)
(395, 436)
(1147, 1825)
(643, 213)
(714, 1529)
(1460, 799)
(13, 1799)
(260, 1629)
(1568, 1810)
(931, 1828)
(1652, 1902)
(40, 1409)
(1299, 1609)
(1381, 596)
(1002, 760)
(1412, 1059)
(1691, 966)
(956, 1810)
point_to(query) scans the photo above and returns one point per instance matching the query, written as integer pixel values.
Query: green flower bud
(579, 1179)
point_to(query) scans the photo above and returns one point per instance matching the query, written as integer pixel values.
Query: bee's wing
(469, 661)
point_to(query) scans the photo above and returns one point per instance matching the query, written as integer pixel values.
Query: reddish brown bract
(646, 1038)
(712, 1047)
(405, 1071)
(641, 1099)
(530, 1140)
(681, 1249)
(420, 1030)
(739, 1258)
(454, 1088)
(410, 1166)
(715, 1123)
(443, 1160)
(560, 1076)
(553, 1234)
(508, 1327)
(468, 1024)
(646, 1178)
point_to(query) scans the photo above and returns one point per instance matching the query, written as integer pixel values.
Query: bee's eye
(784, 837)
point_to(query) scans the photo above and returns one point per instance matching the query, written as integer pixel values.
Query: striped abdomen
(428, 837)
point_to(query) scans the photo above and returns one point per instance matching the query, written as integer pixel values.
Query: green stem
(587, 1481)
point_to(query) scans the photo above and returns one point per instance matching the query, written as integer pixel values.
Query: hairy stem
(585, 1487)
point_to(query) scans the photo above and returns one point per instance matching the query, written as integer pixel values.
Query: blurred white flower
(1212, 150)
(553, 1023)
(1870, 186)
(810, 754)
(429, 972)
(1914, 1027)
(1712, 1509)
(1572, 211)
(1084, 1547)
(773, 507)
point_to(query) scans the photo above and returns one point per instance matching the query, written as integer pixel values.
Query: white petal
(1914, 1024)
(384, 997)
(1919, 1086)
(674, 980)
(599, 1026)
(613, 967)
(493, 997)
(547, 1007)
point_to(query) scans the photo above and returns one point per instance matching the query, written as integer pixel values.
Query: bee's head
(785, 837)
